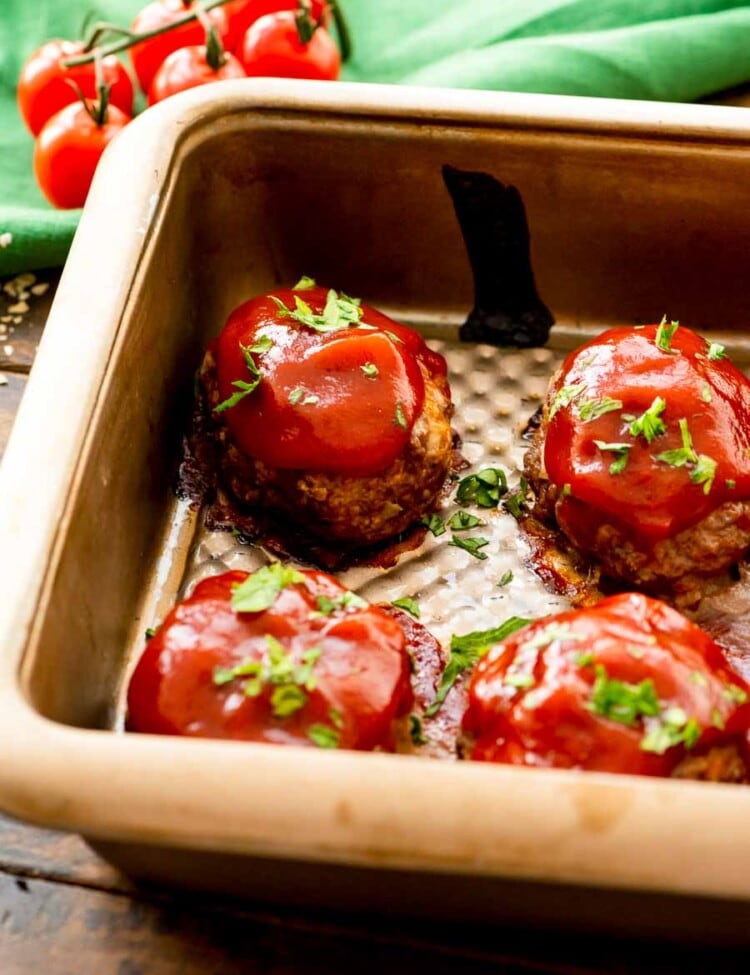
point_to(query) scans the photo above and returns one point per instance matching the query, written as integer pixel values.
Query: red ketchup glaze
(339, 419)
(360, 680)
(556, 718)
(651, 497)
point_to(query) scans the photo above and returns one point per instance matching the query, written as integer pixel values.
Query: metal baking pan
(221, 193)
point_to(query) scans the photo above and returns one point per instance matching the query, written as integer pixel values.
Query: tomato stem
(133, 39)
(342, 29)
(215, 54)
(304, 23)
(100, 28)
(96, 110)
(102, 88)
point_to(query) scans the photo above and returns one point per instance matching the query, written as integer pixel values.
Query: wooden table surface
(64, 911)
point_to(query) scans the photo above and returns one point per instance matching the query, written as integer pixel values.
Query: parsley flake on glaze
(649, 425)
(260, 589)
(620, 450)
(565, 397)
(664, 335)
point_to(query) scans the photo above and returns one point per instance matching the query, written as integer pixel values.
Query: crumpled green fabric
(672, 50)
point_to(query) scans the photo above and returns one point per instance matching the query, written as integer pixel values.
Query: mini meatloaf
(329, 414)
(642, 458)
(628, 685)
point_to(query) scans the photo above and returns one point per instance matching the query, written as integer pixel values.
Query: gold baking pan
(635, 209)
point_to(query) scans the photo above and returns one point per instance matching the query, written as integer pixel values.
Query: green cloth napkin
(672, 50)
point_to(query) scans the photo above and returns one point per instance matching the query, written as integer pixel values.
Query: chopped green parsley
(336, 718)
(704, 467)
(592, 409)
(716, 351)
(505, 578)
(515, 503)
(483, 488)
(649, 424)
(304, 283)
(704, 472)
(242, 387)
(347, 600)
(734, 694)
(466, 650)
(435, 524)
(620, 450)
(673, 728)
(248, 668)
(463, 521)
(340, 312)
(680, 456)
(296, 395)
(323, 736)
(566, 396)
(287, 699)
(260, 589)
(409, 604)
(471, 545)
(706, 392)
(551, 633)
(290, 681)
(415, 730)
(620, 701)
(664, 335)
(519, 679)
(399, 420)
(370, 370)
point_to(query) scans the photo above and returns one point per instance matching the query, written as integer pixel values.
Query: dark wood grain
(31, 853)
(71, 931)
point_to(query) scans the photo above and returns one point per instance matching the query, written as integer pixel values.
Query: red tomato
(148, 56)
(188, 68)
(67, 152)
(628, 685)
(304, 668)
(343, 400)
(697, 397)
(242, 13)
(272, 48)
(44, 88)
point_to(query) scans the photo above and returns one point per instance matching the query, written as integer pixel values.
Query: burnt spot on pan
(507, 308)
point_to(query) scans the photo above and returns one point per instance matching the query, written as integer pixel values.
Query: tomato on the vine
(242, 13)
(278, 46)
(192, 66)
(68, 150)
(44, 86)
(149, 55)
